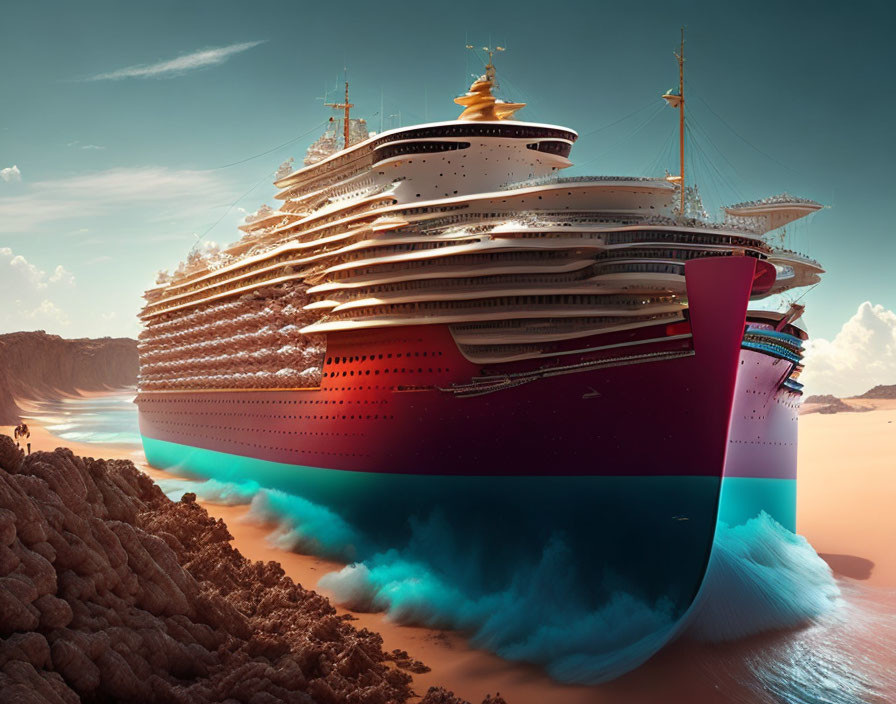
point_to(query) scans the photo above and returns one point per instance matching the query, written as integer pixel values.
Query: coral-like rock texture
(37, 365)
(110, 592)
(438, 695)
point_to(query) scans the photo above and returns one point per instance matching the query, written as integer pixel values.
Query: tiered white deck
(467, 223)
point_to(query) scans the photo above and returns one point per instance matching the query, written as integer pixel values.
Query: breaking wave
(306, 527)
(761, 578)
(227, 493)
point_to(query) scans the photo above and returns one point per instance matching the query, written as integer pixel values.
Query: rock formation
(827, 404)
(38, 365)
(881, 391)
(109, 591)
(821, 398)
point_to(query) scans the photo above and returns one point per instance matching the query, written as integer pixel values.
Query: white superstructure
(466, 222)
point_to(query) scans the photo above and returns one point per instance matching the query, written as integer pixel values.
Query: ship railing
(551, 180)
(780, 199)
(791, 254)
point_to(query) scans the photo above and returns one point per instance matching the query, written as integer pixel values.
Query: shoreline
(472, 673)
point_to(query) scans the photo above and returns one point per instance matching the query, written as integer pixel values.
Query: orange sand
(846, 505)
(846, 489)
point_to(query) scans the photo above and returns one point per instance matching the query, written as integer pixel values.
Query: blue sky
(117, 115)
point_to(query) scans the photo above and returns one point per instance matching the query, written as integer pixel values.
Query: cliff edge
(37, 365)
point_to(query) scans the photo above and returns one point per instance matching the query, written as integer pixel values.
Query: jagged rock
(438, 695)
(111, 592)
(406, 662)
(10, 455)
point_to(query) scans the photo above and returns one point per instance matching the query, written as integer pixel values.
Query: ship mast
(676, 100)
(345, 122)
(680, 57)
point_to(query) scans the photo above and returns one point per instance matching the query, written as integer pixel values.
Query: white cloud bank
(861, 356)
(11, 173)
(28, 294)
(176, 67)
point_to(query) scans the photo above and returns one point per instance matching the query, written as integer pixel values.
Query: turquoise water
(110, 419)
(586, 576)
(762, 577)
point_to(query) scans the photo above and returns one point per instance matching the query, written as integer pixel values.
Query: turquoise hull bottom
(617, 560)
(744, 498)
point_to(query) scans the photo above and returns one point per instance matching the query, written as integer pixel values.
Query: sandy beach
(845, 499)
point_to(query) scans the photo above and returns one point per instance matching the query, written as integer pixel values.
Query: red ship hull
(656, 401)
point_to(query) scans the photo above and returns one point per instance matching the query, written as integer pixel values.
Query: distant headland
(35, 365)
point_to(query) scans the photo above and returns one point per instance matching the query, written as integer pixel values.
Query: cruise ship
(435, 328)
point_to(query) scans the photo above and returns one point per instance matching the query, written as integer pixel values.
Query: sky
(130, 131)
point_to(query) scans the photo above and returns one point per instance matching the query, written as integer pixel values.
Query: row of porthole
(176, 425)
(358, 402)
(288, 449)
(263, 430)
(255, 416)
(237, 401)
(240, 401)
(396, 370)
(760, 442)
(372, 357)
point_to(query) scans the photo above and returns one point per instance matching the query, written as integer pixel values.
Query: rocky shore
(109, 591)
(36, 365)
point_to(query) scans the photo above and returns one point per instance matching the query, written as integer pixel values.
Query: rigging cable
(713, 171)
(650, 118)
(230, 207)
(257, 183)
(703, 167)
(705, 133)
(621, 119)
(746, 141)
(269, 151)
(663, 156)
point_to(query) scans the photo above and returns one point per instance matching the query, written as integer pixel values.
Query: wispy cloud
(169, 195)
(182, 64)
(78, 145)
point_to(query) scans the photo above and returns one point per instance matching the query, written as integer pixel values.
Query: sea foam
(761, 577)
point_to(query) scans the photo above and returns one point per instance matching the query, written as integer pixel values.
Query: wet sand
(846, 496)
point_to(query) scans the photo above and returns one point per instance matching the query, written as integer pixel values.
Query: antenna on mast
(489, 67)
(344, 106)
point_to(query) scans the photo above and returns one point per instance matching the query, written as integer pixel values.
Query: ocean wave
(227, 493)
(305, 527)
(540, 618)
(761, 577)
